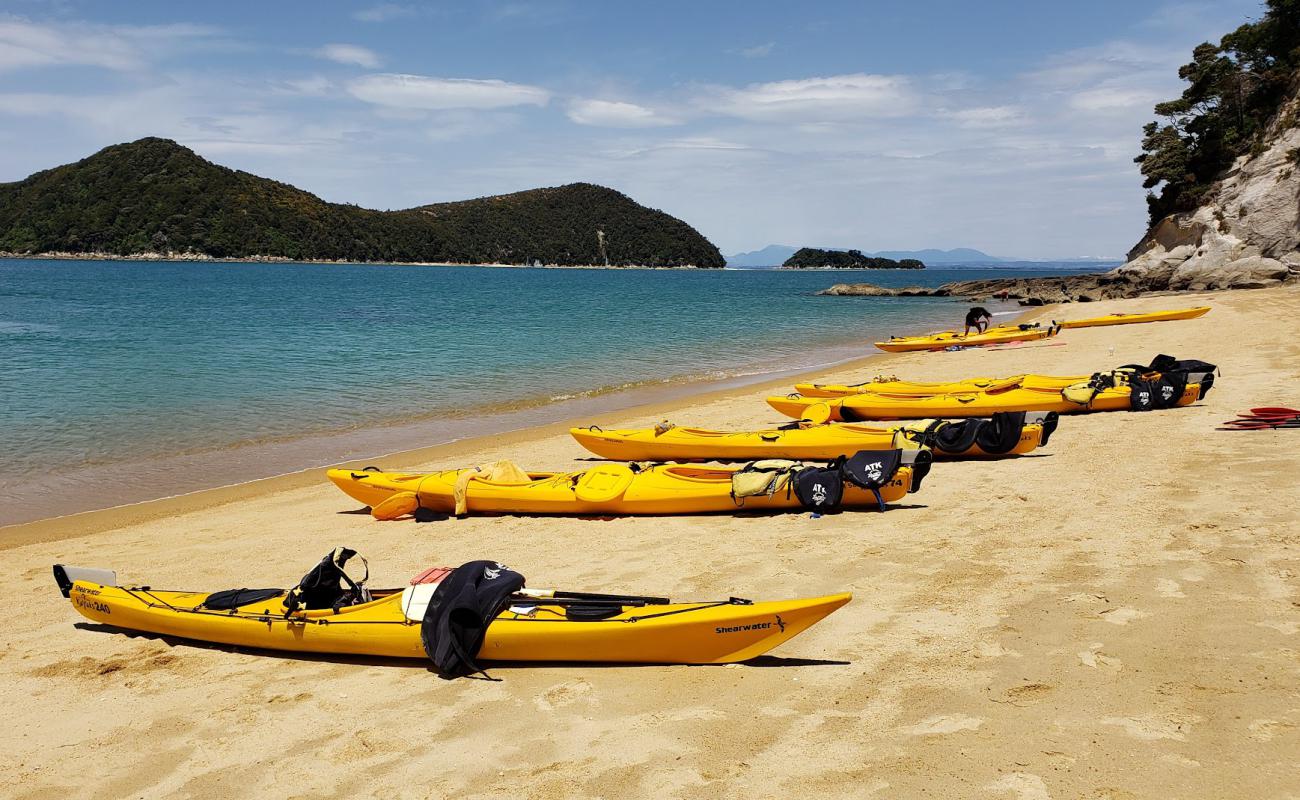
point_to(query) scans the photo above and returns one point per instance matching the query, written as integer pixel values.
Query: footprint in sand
(1122, 615)
(1155, 726)
(992, 650)
(562, 694)
(943, 723)
(1026, 693)
(1168, 588)
(1264, 730)
(1023, 785)
(1093, 657)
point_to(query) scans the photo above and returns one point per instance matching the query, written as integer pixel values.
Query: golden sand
(1114, 616)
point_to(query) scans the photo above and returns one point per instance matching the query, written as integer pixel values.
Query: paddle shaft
(626, 599)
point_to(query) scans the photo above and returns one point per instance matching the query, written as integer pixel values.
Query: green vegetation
(154, 195)
(814, 258)
(1235, 89)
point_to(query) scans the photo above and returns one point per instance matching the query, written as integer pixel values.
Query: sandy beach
(1115, 616)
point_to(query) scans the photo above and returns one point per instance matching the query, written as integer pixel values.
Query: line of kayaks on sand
(484, 611)
(1028, 332)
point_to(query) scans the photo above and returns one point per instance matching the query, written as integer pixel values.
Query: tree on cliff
(1234, 89)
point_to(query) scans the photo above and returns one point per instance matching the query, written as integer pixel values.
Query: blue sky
(1009, 127)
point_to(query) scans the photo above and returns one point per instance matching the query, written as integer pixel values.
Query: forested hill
(155, 196)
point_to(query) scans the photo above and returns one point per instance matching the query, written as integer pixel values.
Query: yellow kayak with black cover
(604, 490)
(1025, 397)
(945, 339)
(815, 442)
(895, 386)
(1134, 319)
(537, 626)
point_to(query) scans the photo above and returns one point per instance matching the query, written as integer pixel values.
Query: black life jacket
(820, 488)
(457, 618)
(1142, 394)
(327, 585)
(872, 469)
(1191, 370)
(1169, 389)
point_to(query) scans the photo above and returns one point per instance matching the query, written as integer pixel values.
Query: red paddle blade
(1275, 411)
(1258, 425)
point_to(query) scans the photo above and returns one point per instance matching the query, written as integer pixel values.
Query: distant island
(773, 255)
(154, 197)
(814, 258)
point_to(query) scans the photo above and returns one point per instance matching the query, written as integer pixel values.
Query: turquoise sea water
(158, 369)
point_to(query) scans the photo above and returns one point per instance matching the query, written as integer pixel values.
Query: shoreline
(677, 397)
(73, 491)
(203, 258)
(682, 397)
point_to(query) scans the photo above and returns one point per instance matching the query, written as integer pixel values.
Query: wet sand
(1114, 616)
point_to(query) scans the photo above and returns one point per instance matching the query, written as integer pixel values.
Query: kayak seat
(229, 599)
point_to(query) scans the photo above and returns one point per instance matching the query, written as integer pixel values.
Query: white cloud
(1113, 99)
(838, 97)
(348, 54)
(615, 114)
(26, 44)
(421, 92)
(383, 12)
(988, 117)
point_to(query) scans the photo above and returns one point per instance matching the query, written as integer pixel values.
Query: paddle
(1264, 418)
(579, 597)
(1261, 425)
(1273, 411)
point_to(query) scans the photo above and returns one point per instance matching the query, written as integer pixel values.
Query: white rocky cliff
(1246, 236)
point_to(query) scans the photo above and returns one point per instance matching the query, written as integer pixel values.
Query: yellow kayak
(1133, 319)
(946, 339)
(963, 404)
(814, 443)
(896, 387)
(607, 489)
(389, 626)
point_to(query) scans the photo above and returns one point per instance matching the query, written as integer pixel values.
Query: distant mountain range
(153, 196)
(774, 255)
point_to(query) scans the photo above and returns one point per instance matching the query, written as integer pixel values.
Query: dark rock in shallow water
(872, 290)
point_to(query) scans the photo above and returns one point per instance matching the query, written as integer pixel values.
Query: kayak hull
(946, 339)
(1135, 319)
(963, 404)
(914, 388)
(680, 633)
(607, 490)
(817, 443)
